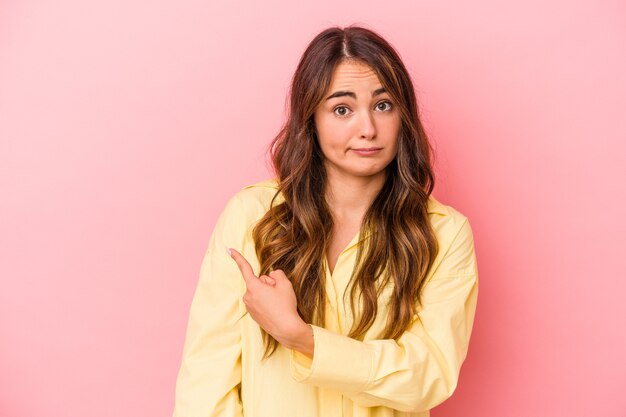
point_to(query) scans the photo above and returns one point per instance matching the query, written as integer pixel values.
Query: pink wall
(125, 126)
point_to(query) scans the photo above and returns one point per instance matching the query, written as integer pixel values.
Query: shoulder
(261, 191)
(444, 218)
(261, 188)
(253, 200)
(449, 224)
(455, 238)
(243, 210)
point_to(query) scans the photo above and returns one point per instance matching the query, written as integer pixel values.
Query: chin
(370, 173)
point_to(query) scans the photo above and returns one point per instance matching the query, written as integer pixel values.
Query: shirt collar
(434, 206)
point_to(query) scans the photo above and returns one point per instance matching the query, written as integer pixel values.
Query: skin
(344, 124)
(366, 119)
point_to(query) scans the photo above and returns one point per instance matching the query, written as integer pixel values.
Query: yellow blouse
(222, 374)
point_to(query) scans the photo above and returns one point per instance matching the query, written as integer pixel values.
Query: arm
(210, 373)
(421, 369)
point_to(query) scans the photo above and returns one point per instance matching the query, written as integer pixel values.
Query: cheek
(394, 133)
(394, 141)
(330, 144)
(332, 136)
(394, 124)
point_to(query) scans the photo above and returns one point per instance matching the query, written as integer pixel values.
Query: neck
(350, 196)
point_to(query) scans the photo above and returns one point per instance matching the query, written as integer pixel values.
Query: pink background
(126, 125)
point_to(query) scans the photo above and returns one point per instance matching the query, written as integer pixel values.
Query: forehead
(354, 74)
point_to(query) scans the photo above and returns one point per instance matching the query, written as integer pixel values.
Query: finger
(244, 266)
(278, 274)
(268, 280)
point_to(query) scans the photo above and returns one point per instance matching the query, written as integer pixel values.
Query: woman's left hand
(271, 302)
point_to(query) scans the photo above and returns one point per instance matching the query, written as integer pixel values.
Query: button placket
(336, 283)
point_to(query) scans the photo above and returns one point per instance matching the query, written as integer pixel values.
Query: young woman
(341, 287)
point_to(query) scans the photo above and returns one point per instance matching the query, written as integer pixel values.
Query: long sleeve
(209, 378)
(421, 369)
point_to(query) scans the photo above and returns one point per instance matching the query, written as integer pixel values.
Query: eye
(384, 103)
(341, 111)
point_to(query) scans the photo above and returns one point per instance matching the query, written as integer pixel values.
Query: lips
(367, 151)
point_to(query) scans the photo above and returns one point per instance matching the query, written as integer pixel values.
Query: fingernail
(229, 252)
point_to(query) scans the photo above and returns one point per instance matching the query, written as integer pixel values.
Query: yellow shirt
(222, 374)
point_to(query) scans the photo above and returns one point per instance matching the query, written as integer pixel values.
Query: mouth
(366, 151)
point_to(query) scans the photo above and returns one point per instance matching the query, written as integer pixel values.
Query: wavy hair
(294, 234)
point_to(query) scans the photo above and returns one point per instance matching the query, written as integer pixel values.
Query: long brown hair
(294, 235)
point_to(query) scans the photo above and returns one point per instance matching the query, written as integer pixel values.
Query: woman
(341, 287)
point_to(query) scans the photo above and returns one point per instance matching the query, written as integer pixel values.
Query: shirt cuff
(339, 362)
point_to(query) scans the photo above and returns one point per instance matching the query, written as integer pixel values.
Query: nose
(367, 126)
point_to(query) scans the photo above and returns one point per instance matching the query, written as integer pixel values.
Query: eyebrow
(351, 94)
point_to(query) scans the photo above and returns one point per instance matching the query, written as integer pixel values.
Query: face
(357, 123)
